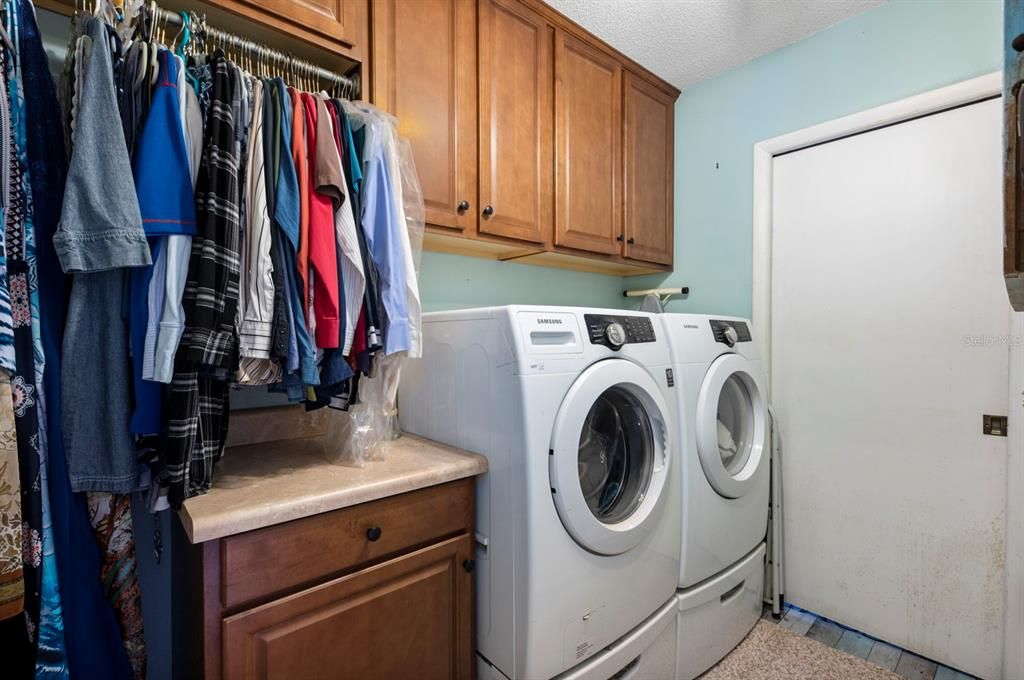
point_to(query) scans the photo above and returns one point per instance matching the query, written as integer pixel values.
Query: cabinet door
(332, 19)
(406, 618)
(648, 149)
(424, 72)
(588, 151)
(515, 121)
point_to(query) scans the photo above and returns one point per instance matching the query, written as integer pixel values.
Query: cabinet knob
(488, 210)
(373, 533)
(463, 206)
(468, 565)
(631, 240)
(620, 238)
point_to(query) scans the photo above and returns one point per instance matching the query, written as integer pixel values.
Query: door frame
(934, 101)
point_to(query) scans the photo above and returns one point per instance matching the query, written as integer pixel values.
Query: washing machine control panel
(730, 332)
(615, 331)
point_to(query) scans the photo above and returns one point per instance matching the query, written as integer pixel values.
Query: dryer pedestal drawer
(716, 615)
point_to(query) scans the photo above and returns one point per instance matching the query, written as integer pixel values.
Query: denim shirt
(100, 233)
(100, 225)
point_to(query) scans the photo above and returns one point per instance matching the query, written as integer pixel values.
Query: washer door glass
(735, 424)
(616, 455)
(732, 425)
(608, 459)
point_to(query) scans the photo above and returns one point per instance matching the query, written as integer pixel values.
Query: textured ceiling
(686, 41)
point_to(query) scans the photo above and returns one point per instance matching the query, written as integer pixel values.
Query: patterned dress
(12, 581)
(44, 617)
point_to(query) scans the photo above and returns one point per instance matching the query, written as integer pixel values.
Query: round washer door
(609, 456)
(732, 424)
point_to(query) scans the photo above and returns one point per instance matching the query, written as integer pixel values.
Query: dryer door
(609, 456)
(732, 424)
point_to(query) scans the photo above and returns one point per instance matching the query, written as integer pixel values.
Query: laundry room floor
(804, 645)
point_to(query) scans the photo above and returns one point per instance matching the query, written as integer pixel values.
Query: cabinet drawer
(279, 559)
(409, 617)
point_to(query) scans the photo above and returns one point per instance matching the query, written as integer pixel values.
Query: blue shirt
(286, 214)
(381, 224)
(163, 185)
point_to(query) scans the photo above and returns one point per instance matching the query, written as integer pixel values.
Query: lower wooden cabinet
(396, 604)
(408, 617)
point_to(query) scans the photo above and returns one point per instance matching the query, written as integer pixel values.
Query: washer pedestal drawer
(714, 616)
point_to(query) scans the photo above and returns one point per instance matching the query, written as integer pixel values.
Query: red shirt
(323, 246)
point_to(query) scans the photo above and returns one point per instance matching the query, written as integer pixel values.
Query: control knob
(615, 334)
(730, 336)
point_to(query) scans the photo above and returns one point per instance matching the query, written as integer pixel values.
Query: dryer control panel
(730, 332)
(617, 330)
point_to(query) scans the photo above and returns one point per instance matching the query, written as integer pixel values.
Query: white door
(609, 461)
(889, 323)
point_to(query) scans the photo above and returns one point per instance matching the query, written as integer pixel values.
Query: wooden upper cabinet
(424, 72)
(515, 121)
(648, 150)
(406, 618)
(340, 22)
(588, 147)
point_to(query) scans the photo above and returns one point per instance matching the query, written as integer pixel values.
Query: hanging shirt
(381, 224)
(287, 209)
(353, 284)
(323, 248)
(211, 291)
(257, 280)
(100, 233)
(198, 398)
(392, 146)
(271, 156)
(299, 157)
(286, 218)
(164, 188)
(367, 336)
(166, 313)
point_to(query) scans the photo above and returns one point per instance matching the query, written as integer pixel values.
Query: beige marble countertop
(258, 485)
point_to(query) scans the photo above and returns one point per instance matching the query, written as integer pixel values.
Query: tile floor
(901, 662)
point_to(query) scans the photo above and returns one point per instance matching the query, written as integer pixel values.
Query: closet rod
(303, 67)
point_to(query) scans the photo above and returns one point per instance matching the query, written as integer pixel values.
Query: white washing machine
(577, 519)
(723, 421)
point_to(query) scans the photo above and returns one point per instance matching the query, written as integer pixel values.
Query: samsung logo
(550, 321)
(690, 325)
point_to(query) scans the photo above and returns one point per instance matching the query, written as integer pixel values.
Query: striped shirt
(256, 304)
(211, 292)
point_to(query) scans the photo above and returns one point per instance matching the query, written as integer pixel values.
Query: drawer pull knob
(488, 210)
(463, 206)
(373, 533)
(630, 240)
(468, 565)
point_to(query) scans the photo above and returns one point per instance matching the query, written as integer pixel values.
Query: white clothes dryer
(723, 425)
(723, 421)
(577, 519)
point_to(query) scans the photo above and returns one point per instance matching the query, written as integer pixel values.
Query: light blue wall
(885, 54)
(453, 281)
